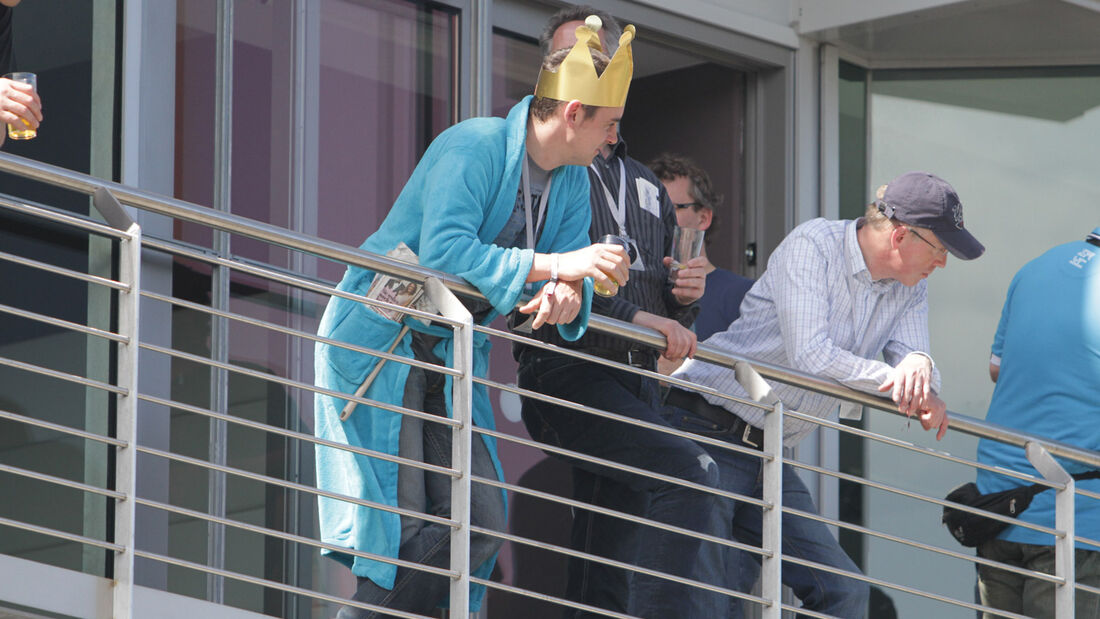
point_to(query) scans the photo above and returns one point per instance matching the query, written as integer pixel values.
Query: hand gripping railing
(749, 372)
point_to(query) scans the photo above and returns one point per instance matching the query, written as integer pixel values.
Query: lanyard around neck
(533, 230)
(618, 209)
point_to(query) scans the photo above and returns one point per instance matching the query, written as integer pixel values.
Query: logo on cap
(957, 214)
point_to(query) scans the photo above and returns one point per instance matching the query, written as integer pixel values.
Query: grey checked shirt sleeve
(911, 335)
(801, 292)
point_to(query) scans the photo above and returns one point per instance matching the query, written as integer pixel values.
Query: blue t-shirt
(1048, 342)
(721, 302)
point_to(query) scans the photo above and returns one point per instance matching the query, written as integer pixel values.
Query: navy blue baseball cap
(927, 201)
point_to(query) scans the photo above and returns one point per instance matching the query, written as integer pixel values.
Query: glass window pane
(54, 40)
(387, 75)
(516, 62)
(852, 160)
(263, 61)
(196, 25)
(387, 89)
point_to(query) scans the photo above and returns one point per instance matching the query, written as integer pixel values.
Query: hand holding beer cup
(20, 107)
(687, 243)
(608, 264)
(609, 291)
(691, 279)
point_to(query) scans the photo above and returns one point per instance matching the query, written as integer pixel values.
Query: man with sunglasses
(696, 202)
(835, 296)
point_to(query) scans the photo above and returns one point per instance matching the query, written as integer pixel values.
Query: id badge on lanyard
(532, 232)
(533, 228)
(618, 211)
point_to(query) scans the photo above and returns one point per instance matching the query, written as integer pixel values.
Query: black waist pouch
(974, 529)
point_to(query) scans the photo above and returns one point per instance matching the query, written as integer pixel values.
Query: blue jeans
(811, 540)
(429, 543)
(638, 397)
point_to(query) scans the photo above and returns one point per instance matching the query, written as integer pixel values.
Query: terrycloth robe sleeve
(456, 225)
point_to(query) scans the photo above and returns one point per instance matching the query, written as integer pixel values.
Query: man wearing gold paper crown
(628, 201)
(502, 203)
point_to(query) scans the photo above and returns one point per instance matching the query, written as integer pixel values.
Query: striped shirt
(650, 219)
(816, 309)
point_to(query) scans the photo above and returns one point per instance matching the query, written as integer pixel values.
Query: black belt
(638, 357)
(748, 434)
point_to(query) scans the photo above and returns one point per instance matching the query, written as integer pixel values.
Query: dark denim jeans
(811, 540)
(423, 542)
(633, 396)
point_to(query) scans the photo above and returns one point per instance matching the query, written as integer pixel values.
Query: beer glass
(22, 131)
(612, 239)
(687, 243)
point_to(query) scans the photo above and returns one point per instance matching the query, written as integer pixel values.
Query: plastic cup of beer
(611, 239)
(22, 130)
(687, 243)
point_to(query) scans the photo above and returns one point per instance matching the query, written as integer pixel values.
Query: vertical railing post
(1064, 520)
(220, 279)
(126, 457)
(771, 534)
(462, 400)
(771, 568)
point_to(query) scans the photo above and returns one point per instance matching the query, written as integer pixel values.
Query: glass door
(332, 105)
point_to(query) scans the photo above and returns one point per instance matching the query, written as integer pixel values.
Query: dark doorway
(697, 111)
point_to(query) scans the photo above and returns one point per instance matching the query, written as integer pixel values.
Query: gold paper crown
(576, 76)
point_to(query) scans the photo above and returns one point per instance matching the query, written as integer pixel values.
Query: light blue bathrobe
(458, 199)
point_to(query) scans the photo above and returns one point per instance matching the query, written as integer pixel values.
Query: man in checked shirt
(835, 295)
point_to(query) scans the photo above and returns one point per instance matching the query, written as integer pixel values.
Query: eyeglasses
(940, 251)
(680, 205)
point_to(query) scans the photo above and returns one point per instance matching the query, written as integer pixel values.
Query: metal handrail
(290, 485)
(62, 429)
(62, 217)
(287, 537)
(316, 246)
(42, 266)
(60, 481)
(72, 537)
(64, 324)
(271, 584)
(65, 376)
(274, 235)
(300, 436)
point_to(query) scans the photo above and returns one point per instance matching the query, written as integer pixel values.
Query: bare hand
(19, 104)
(934, 415)
(910, 384)
(556, 303)
(691, 280)
(607, 264)
(680, 341)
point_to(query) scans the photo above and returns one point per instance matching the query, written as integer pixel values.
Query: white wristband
(553, 267)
